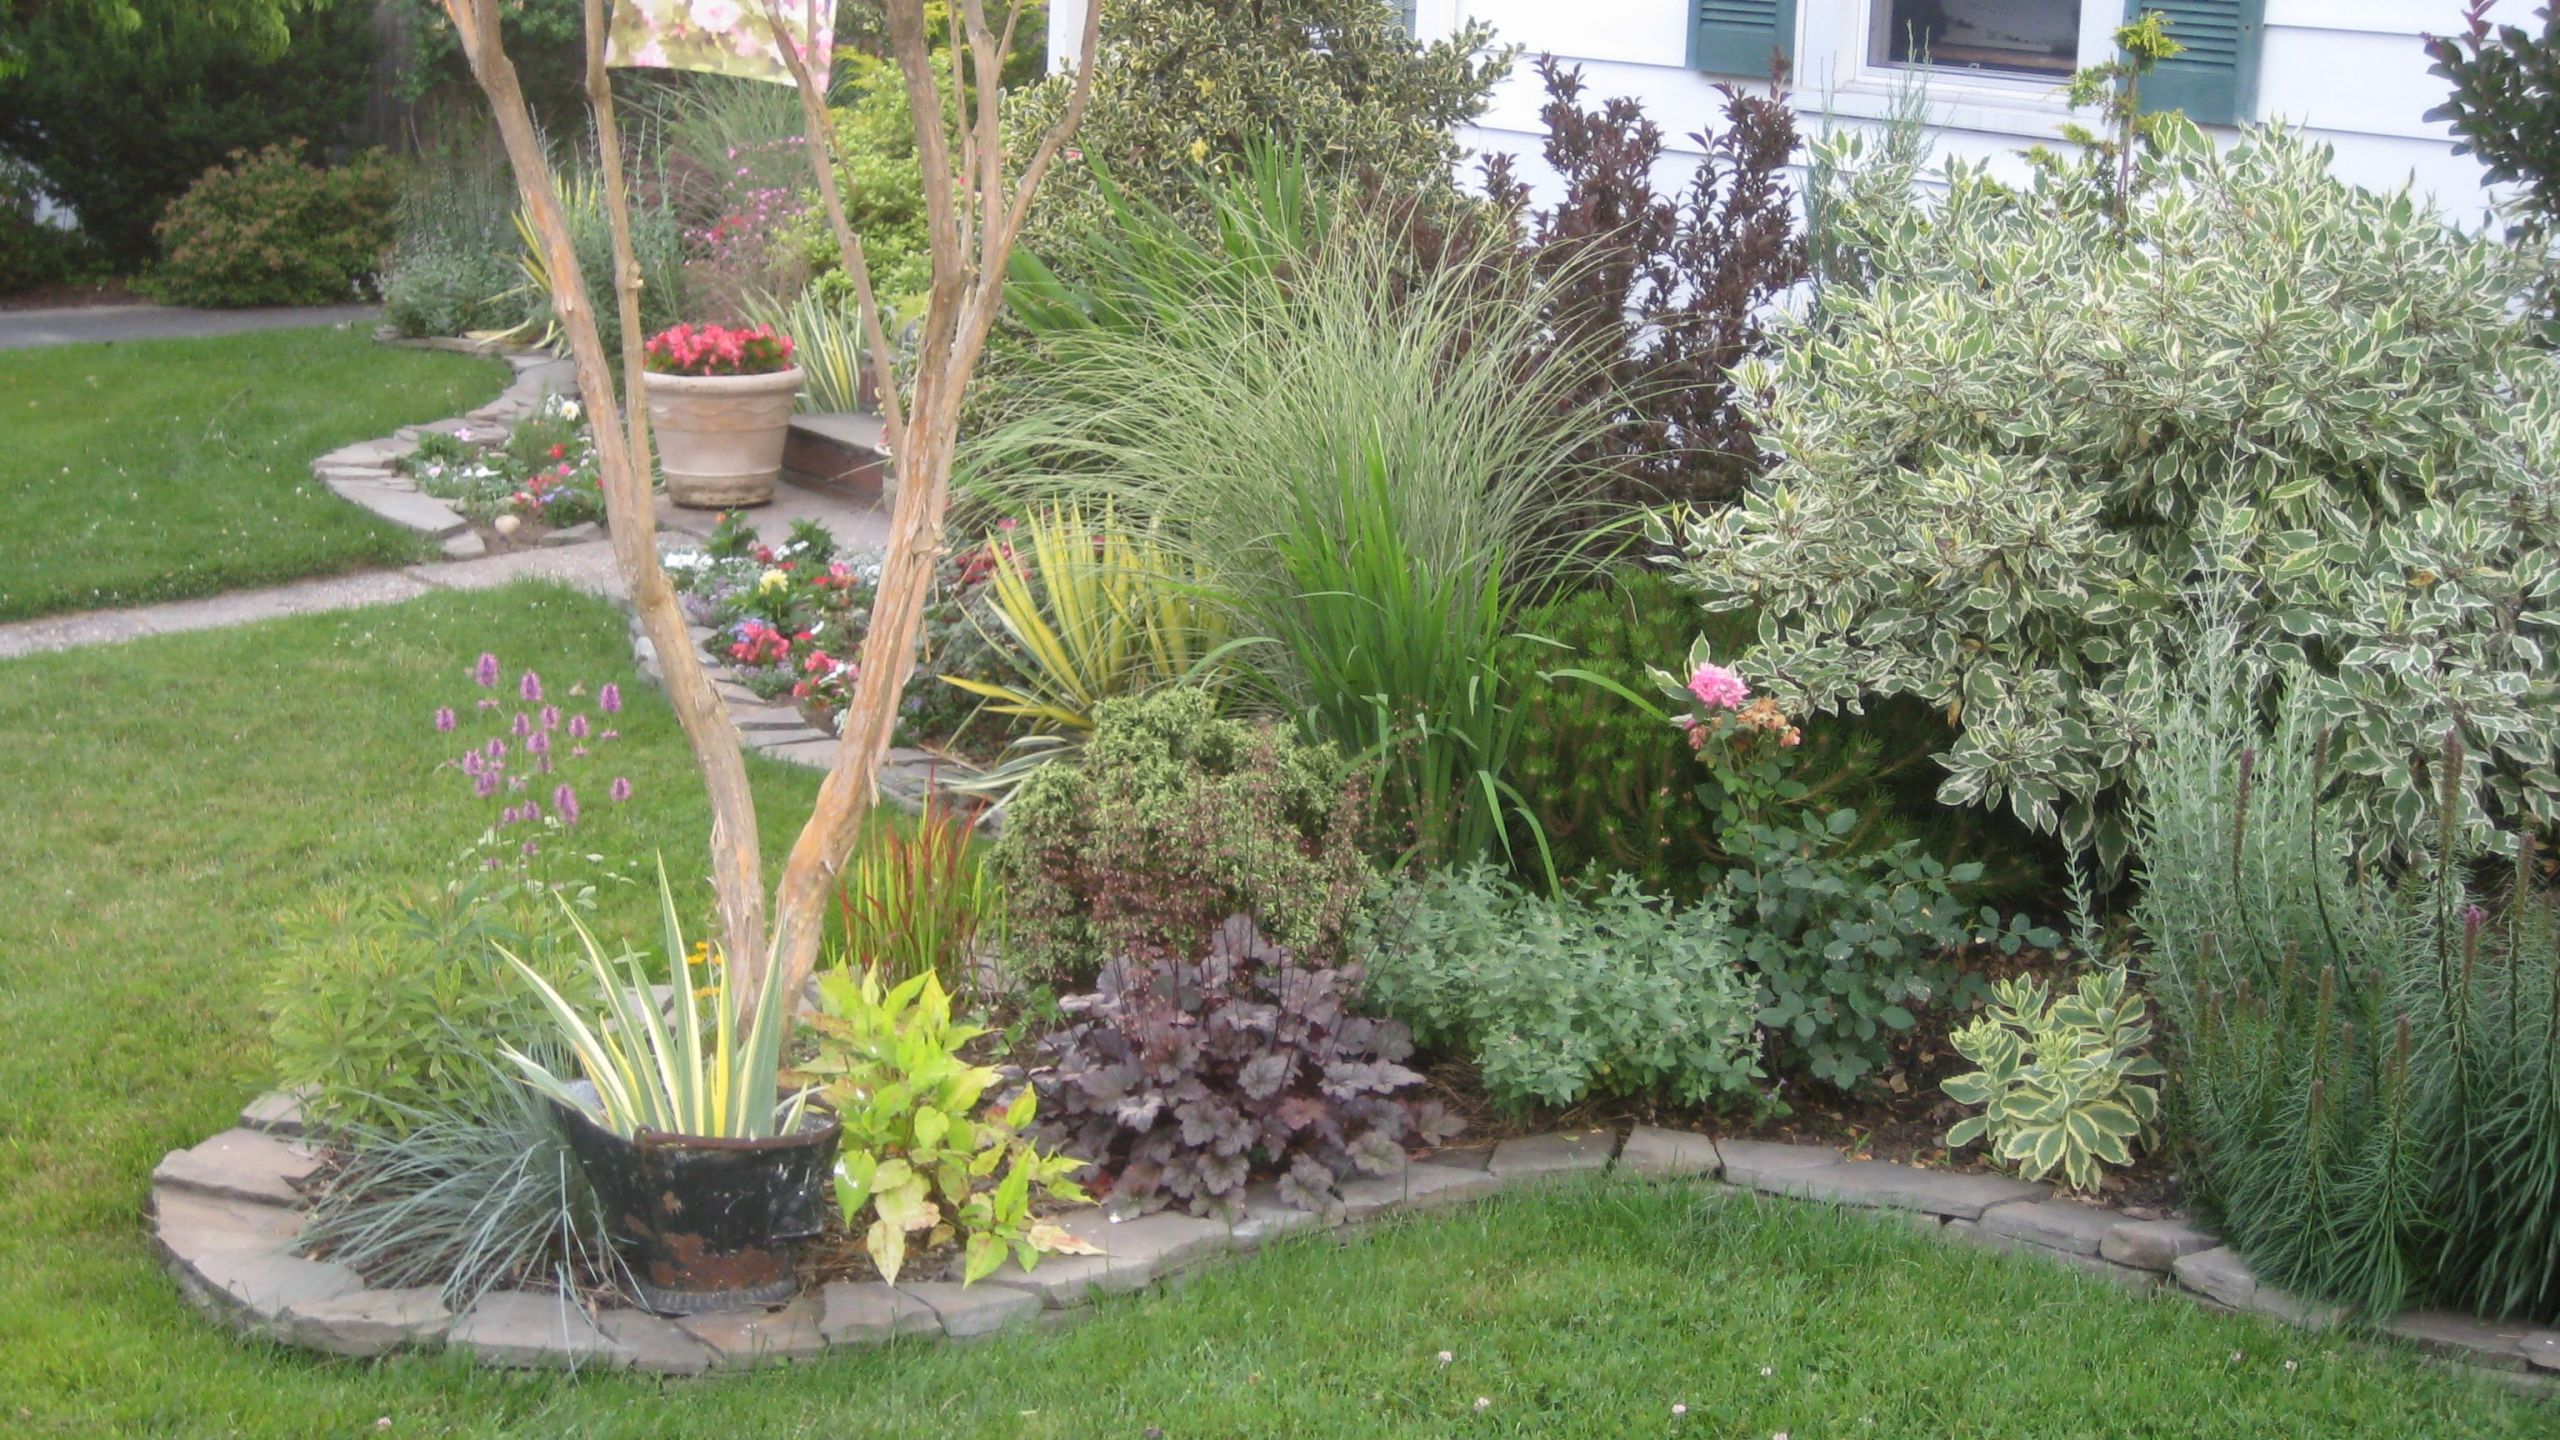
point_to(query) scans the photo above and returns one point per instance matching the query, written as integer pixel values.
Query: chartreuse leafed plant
(2057, 1080)
(2009, 460)
(1093, 610)
(656, 1070)
(2366, 1070)
(920, 1154)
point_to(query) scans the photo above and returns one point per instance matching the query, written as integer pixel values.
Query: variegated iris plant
(654, 1067)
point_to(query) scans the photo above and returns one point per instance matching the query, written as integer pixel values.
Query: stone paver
(2220, 1275)
(1884, 1185)
(655, 1344)
(1748, 1162)
(1266, 1215)
(243, 1164)
(1659, 1154)
(2541, 1349)
(872, 1313)
(2051, 1225)
(366, 1323)
(277, 1112)
(1137, 1252)
(969, 1311)
(1571, 1152)
(746, 1339)
(521, 1330)
(1419, 1186)
(2463, 1337)
(2153, 1244)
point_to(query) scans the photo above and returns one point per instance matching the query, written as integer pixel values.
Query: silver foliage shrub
(2017, 454)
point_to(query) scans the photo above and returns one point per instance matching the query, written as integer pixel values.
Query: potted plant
(720, 402)
(705, 1170)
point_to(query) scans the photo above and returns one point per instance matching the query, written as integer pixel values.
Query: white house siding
(2350, 71)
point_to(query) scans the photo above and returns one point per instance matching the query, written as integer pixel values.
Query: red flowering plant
(1743, 739)
(545, 472)
(717, 350)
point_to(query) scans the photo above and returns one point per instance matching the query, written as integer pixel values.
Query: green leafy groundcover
(140, 895)
(166, 469)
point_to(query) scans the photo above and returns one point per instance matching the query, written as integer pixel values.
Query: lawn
(163, 469)
(162, 800)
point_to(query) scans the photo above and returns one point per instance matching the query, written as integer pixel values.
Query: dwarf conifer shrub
(1191, 1075)
(2006, 467)
(1171, 819)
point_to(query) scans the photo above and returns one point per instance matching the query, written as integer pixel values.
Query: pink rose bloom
(1718, 688)
(718, 16)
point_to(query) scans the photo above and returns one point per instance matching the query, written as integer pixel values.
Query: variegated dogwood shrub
(2020, 455)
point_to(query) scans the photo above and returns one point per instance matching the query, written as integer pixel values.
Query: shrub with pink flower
(1717, 687)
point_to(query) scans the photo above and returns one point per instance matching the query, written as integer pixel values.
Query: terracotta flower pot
(708, 1224)
(720, 437)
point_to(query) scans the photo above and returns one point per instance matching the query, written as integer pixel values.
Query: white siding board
(2351, 72)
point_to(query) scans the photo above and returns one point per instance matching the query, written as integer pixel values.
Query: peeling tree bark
(973, 217)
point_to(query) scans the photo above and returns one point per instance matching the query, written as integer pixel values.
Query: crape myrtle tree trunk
(975, 204)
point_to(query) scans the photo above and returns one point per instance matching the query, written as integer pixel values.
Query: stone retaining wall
(226, 1213)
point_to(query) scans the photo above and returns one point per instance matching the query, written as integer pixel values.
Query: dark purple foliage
(1190, 1078)
(1671, 287)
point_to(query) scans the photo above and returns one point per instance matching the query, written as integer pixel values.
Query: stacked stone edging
(226, 1214)
(367, 473)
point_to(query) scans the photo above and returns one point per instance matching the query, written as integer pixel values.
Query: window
(2010, 37)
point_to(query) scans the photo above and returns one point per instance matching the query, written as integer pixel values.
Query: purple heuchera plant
(1192, 1077)
(485, 762)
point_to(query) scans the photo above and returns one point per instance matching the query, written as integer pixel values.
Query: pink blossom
(1718, 688)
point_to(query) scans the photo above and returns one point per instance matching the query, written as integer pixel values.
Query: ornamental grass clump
(2364, 1068)
(2010, 458)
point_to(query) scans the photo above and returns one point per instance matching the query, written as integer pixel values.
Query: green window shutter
(2216, 81)
(1736, 37)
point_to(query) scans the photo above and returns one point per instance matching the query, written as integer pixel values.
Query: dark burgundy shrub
(1189, 1078)
(1673, 286)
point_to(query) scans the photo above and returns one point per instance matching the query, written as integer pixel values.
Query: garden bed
(226, 1212)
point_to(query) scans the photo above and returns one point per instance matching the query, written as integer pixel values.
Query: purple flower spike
(621, 789)
(488, 704)
(472, 764)
(524, 724)
(530, 687)
(550, 717)
(564, 803)
(610, 735)
(495, 748)
(538, 744)
(530, 847)
(486, 672)
(577, 752)
(485, 783)
(577, 727)
(609, 699)
(444, 720)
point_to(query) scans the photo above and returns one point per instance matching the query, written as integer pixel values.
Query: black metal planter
(708, 1224)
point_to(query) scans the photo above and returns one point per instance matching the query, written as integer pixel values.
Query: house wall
(2350, 71)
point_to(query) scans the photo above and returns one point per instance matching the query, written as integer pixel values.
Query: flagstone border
(368, 472)
(225, 1216)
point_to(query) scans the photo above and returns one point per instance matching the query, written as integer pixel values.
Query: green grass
(165, 469)
(161, 800)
